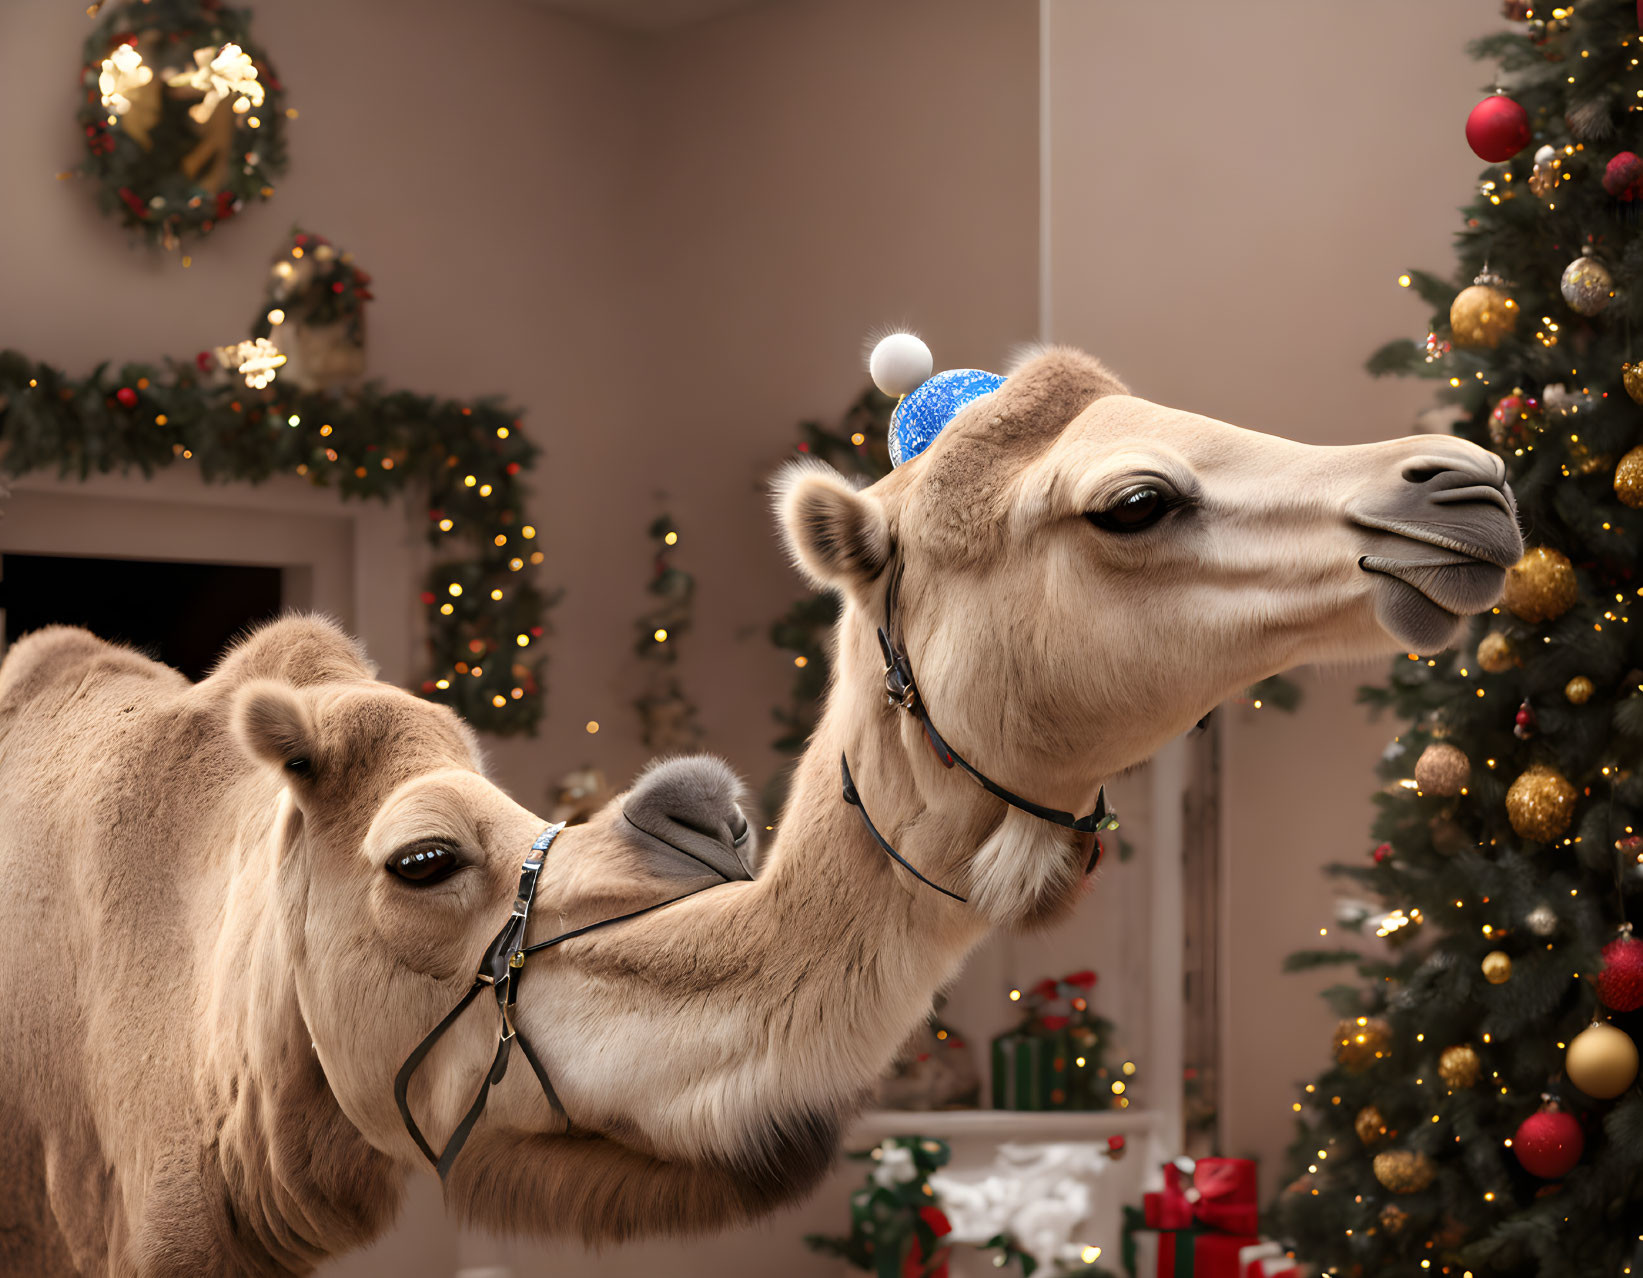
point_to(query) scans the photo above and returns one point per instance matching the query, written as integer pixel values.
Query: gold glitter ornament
(1631, 377)
(1481, 313)
(1602, 1061)
(1393, 1218)
(1578, 690)
(1370, 1126)
(1459, 1066)
(1587, 285)
(1442, 769)
(1541, 586)
(1497, 967)
(1540, 804)
(1404, 1172)
(1361, 1041)
(1495, 653)
(1628, 478)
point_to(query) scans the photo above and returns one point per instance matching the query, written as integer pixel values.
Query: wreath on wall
(183, 116)
(246, 413)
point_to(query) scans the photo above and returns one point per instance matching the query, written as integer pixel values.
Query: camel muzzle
(1439, 541)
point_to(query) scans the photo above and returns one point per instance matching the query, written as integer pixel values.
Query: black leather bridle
(502, 967)
(902, 690)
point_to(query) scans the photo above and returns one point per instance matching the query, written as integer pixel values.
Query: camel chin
(1417, 622)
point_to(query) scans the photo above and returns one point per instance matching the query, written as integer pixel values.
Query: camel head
(1084, 574)
(1080, 575)
(397, 863)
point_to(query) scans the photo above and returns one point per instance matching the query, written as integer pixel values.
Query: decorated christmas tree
(1482, 1116)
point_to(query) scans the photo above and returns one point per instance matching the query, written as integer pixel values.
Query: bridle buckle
(899, 690)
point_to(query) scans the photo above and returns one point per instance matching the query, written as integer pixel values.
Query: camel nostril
(1422, 474)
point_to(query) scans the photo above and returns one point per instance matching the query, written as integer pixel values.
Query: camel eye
(424, 864)
(1137, 509)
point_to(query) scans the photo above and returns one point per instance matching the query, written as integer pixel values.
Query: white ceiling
(647, 15)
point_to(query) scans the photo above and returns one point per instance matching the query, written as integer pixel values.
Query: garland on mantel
(485, 618)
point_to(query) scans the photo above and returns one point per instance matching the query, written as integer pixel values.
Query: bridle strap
(902, 690)
(502, 967)
(854, 799)
(402, 1080)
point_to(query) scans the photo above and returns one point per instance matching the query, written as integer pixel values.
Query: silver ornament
(1587, 285)
(1542, 920)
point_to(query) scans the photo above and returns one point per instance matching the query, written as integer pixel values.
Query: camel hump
(67, 656)
(301, 649)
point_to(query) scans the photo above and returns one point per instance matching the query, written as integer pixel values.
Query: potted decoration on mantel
(1055, 1058)
(314, 311)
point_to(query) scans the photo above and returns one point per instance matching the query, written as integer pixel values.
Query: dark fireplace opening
(184, 614)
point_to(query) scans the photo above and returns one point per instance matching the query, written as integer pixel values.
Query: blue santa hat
(900, 366)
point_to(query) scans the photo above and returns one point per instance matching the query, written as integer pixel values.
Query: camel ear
(273, 723)
(837, 535)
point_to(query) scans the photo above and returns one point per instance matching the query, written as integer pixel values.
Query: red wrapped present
(1217, 1255)
(1188, 1253)
(1226, 1193)
(1170, 1207)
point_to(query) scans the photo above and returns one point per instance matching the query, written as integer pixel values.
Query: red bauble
(126, 396)
(1623, 176)
(1497, 129)
(1549, 1144)
(1620, 983)
(1385, 850)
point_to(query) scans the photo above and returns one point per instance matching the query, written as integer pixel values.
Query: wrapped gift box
(1185, 1253)
(1018, 1071)
(1266, 1260)
(1200, 1225)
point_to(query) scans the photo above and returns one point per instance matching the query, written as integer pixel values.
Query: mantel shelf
(1000, 1124)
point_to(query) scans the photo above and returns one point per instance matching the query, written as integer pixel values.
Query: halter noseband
(902, 691)
(502, 967)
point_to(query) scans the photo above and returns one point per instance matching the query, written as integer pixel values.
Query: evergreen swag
(484, 616)
(1555, 684)
(155, 168)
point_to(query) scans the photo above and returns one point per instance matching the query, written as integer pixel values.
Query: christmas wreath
(183, 116)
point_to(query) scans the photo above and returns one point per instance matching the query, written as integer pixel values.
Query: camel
(234, 908)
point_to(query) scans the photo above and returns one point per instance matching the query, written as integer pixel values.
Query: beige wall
(1234, 192)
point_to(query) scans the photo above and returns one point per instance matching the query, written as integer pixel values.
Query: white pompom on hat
(900, 364)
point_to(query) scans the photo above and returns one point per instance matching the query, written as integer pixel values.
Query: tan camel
(233, 908)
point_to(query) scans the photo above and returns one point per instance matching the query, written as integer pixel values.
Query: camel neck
(932, 817)
(1015, 868)
(299, 1182)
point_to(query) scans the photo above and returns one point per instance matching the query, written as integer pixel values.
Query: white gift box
(1266, 1260)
